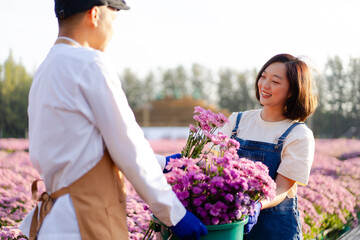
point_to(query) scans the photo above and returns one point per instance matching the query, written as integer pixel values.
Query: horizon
(167, 34)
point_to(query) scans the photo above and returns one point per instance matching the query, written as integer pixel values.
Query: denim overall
(281, 222)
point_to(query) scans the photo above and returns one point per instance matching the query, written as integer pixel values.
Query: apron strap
(234, 132)
(47, 201)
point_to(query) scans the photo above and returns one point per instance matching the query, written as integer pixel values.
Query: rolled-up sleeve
(127, 145)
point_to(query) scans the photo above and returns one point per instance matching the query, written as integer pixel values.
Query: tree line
(15, 83)
(338, 88)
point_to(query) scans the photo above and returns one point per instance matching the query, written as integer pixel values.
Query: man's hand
(175, 156)
(253, 219)
(189, 228)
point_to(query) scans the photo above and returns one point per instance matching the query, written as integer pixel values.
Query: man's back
(64, 142)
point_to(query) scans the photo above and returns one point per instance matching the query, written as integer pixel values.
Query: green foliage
(149, 90)
(234, 91)
(201, 80)
(339, 99)
(244, 94)
(314, 231)
(15, 84)
(132, 88)
(225, 90)
(330, 227)
(175, 82)
(338, 89)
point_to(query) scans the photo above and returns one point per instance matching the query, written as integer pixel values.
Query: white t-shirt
(76, 108)
(299, 146)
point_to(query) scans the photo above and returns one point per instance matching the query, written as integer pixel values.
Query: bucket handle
(171, 233)
(158, 226)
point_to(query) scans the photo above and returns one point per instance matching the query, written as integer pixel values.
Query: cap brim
(120, 6)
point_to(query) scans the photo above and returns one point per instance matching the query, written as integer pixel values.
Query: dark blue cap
(66, 8)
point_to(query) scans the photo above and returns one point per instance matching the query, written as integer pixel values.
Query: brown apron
(99, 201)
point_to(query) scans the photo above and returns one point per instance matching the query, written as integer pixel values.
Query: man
(82, 132)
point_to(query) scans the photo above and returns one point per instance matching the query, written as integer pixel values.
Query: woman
(277, 136)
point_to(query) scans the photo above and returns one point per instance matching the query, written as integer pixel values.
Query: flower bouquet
(211, 180)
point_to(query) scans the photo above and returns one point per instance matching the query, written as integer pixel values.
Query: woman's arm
(283, 185)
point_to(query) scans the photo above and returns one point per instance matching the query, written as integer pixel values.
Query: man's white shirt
(76, 108)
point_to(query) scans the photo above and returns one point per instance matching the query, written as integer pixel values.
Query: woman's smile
(265, 94)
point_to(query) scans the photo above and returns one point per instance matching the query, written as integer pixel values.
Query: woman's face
(273, 86)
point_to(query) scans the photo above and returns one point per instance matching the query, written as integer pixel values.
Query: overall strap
(235, 130)
(286, 133)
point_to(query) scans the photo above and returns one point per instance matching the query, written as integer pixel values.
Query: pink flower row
(333, 191)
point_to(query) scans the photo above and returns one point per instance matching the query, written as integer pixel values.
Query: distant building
(171, 112)
(352, 132)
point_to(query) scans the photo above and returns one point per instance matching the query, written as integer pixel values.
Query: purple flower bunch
(217, 186)
(201, 133)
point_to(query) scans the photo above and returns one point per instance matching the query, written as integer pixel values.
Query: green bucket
(229, 231)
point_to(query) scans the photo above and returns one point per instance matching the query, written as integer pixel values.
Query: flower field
(328, 205)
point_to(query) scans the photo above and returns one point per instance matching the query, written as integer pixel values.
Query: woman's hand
(283, 186)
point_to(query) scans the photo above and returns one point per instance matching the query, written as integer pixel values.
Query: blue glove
(175, 156)
(253, 219)
(189, 227)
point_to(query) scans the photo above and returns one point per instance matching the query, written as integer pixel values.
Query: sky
(235, 34)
